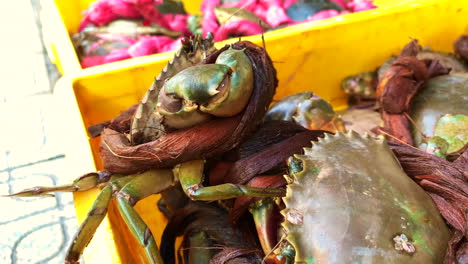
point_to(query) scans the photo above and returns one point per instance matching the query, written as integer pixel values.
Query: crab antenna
(414, 124)
(263, 39)
(395, 138)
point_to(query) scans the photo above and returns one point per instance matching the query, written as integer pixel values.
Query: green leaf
(172, 7)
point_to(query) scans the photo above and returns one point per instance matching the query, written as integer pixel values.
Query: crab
(349, 206)
(204, 103)
(356, 206)
(362, 87)
(413, 91)
(423, 106)
(324, 185)
(441, 128)
(307, 110)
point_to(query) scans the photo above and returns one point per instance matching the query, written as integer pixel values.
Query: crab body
(439, 110)
(307, 110)
(358, 206)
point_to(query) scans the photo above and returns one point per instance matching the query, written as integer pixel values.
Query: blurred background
(32, 230)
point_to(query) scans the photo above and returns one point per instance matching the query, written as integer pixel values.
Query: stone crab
(204, 103)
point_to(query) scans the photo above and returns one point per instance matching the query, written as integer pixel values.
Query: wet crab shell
(307, 110)
(441, 95)
(352, 203)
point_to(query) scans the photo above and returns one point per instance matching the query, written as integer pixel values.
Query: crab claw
(196, 93)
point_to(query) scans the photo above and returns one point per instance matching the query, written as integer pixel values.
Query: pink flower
(149, 12)
(209, 23)
(177, 22)
(270, 3)
(270, 11)
(102, 12)
(173, 45)
(288, 3)
(342, 3)
(249, 5)
(117, 55)
(91, 61)
(324, 14)
(121, 8)
(360, 5)
(260, 11)
(147, 45)
(237, 28)
(137, 2)
(114, 55)
(99, 13)
(276, 16)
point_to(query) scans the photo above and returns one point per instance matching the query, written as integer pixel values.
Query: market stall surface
(32, 230)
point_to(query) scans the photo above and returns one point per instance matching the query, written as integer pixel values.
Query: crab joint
(127, 197)
(190, 175)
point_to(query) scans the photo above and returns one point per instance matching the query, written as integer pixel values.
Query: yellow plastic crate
(313, 57)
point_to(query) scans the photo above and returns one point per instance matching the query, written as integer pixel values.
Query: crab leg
(266, 225)
(142, 186)
(96, 214)
(190, 175)
(82, 183)
(199, 248)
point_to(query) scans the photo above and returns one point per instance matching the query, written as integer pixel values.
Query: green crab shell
(441, 95)
(454, 130)
(351, 200)
(222, 89)
(307, 110)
